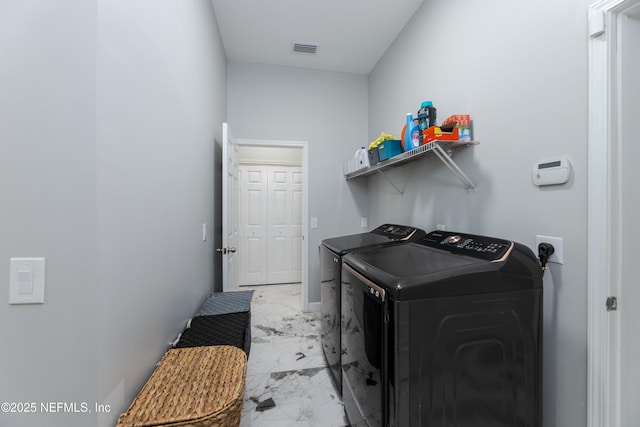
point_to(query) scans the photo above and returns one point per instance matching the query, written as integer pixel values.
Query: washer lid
(384, 234)
(345, 244)
(415, 271)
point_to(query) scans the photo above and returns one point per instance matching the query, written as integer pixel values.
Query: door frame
(603, 224)
(304, 145)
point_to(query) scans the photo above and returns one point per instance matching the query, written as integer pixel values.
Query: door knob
(223, 251)
(232, 250)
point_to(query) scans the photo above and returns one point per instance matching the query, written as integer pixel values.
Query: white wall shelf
(442, 149)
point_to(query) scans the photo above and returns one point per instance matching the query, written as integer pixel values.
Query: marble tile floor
(286, 364)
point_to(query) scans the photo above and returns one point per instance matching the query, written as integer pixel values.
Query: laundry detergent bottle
(362, 158)
(427, 115)
(411, 134)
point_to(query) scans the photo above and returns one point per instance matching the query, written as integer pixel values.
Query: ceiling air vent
(305, 48)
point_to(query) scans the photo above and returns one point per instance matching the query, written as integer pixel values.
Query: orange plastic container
(435, 133)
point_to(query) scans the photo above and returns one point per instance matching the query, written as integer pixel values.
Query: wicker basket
(195, 387)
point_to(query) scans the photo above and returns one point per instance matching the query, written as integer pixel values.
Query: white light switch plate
(26, 282)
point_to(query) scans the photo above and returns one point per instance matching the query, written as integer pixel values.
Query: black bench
(224, 319)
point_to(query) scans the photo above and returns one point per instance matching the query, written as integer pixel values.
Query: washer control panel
(483, 247)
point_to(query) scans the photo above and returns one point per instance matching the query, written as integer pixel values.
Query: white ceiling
(351, 35)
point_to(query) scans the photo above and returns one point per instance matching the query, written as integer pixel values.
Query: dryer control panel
(396, 232)
(483, 247)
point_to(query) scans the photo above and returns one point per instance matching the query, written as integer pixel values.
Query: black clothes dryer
(443, 332)
(331, 253)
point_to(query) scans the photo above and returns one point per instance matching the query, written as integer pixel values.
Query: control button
(377, 294)
(454, 239)
(371, 291)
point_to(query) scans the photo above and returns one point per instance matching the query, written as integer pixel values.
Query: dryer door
(364, 325)
(330, 266)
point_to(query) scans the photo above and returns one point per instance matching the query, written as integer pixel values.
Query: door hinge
(612, 304)
(597, 23)
(225, 251)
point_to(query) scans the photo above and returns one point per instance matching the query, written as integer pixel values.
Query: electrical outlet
(440, 227)
(204, 232)
(364, 222)
(557, 242)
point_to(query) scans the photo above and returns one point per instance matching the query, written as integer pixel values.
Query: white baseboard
(314, 307)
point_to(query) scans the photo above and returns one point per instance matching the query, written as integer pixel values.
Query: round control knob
(454, 239)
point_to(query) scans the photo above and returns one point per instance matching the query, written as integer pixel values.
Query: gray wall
(111, 120)
(520, 69)
(47, 187)
(329, 110)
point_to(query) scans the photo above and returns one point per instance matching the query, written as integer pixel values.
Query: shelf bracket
(447, 160)
(401, 192)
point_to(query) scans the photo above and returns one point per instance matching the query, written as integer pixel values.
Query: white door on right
(285, 224)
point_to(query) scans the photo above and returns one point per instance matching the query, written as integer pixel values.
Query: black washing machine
(331, 253)
(446, 331)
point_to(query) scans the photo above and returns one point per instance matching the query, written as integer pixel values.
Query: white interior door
(253, 225)
(230, 211)
(629, 293)
(285, 224)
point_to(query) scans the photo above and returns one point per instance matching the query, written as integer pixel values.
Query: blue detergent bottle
(411, 134)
